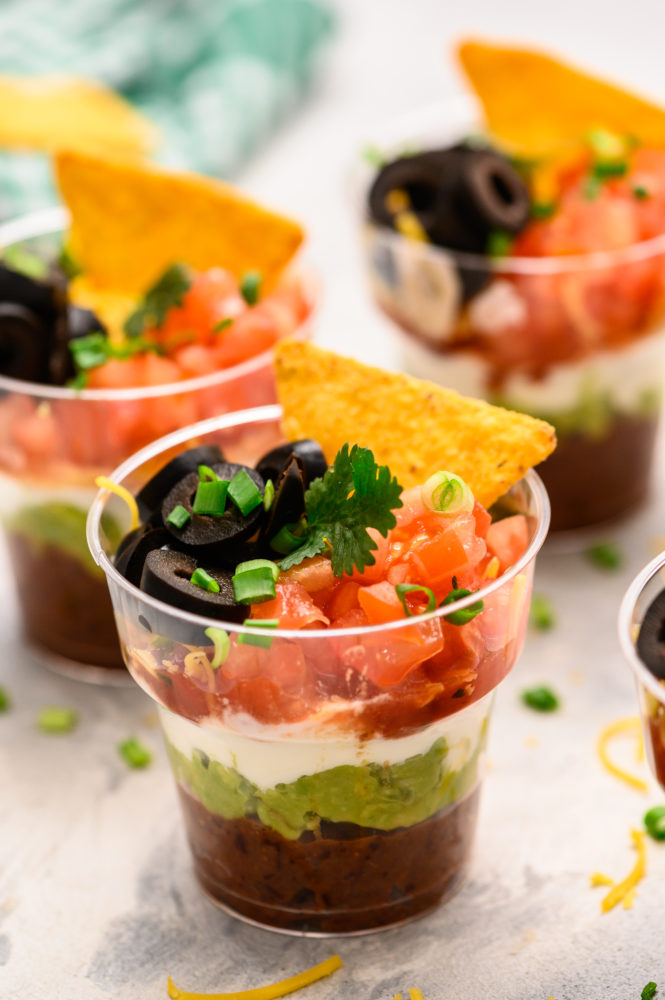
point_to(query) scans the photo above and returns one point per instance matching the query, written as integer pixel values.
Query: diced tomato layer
(508, 540)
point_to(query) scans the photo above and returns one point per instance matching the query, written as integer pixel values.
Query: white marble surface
(97, 898)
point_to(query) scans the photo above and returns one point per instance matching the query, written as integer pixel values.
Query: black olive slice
(491, 194)
(427, 178)
(651, 637)
(41, 297)
(151, 496)
(213, 536)
(167, 577)
(288, 505)
(309, 452)
(134, 548)
(24, 343)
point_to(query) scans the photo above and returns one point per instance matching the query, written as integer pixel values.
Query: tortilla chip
(537, 104)
(48, 113)
(415, 427)
(129, 222)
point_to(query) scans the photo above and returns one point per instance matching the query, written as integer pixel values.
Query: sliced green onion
(56, 719)
(541, 698)
(286, 540)
(268, 495)
(499, 243)
(605, 555)
(207, 474)
(179, 516)
(543, 209)
(254, 586)
(220, 641)
(26, 263)
(654, 821)
(258, 640)
(223, 324)
(250, 287)
(464, 615)
(606, 169)
(210, 498)
(5, 700)
(134, 753)
(252, 564)
(541, 613)
(641, 192)
(649, 991)
(446, 493)
(244, 492)
(402, 589)
(200, 578)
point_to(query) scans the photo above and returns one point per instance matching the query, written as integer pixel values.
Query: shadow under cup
(644, 589)
(315, 800)
(54, 442)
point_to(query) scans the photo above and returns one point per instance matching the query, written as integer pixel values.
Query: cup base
(77, 671)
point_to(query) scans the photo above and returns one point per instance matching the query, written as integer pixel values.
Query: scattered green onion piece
(5, 700)
(543, 209)
(244, 492)
(200, 578)
(541, 613)
(654, 822)
(220, 641)
(134, 753)
(56, 719)
(268, 495)
(258, 640)
(179, 516)
(446, 493)
(649, 991)
(254, 586)
(499, 243)
(206, 474)
(210, 498)
(641, 192)
(605, 555)
(250, 287)
(402, 589)
(542, 699)
(374, 156)
(223, 324)
(286, 540)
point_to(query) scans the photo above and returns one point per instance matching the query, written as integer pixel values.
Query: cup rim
(267, 414)
(53, 220)
(397, 131)
(625, 624)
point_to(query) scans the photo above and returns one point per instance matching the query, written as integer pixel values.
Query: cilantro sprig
(168, 291)
(95, 349)
(354, 494)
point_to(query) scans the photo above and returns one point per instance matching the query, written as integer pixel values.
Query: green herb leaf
(134, 753)
(354, 494)
(649, 991)
(654, 821)
(542, 699)
(96, 349)
(499, 243)
(641, 192)
(541, 614)
(542, 209)
(56, 719)
(29, 264)
(250, 287)
(223, 324)
(5, 700)
(167, 292)
(606, 169)
(605, 555)
(68, 263)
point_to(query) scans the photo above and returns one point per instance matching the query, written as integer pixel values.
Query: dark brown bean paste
(346, 878)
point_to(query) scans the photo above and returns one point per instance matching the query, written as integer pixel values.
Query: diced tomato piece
(343, 599)
(482, 519)
(313, 574)
(508, 540)
(251, 333)
(439, 557)
(293, 607)
(391, 656)
(380, 603)
(194, 360)
(37, 434)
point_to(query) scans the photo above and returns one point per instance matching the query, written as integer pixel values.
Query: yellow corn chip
(64, 112)
(537, 104)
(129, 222)
(415, 427)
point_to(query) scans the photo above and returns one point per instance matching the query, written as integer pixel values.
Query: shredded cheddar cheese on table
(624, 891)
(620, 727)
(270, 992)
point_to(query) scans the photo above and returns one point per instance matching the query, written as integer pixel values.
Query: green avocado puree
(63, 526)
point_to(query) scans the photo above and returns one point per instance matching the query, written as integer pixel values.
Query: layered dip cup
(574, 338)
(317, 801)
(54, 442)
(642, 637)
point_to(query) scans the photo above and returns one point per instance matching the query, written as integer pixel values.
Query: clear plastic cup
(577, 340)
(54, 441)
(315, 800)
(647, 585)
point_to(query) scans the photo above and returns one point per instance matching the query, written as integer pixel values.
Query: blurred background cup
(638, 611)
(54, 441)
(319, 797)
(577, 340)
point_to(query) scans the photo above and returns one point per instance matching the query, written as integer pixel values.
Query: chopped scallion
(499, 243)
(57, 719)
(446, 493)
(179, 516)
(540, 698)
(286, 540)
(223, 324)
(402, 589)
(210, 498)
(654, 821)
(201, 578)
(251, 564)
(541, 613)
(206, 474)
(5, 700)
(605, 555)
(254, 586)
(268, 495)
(641, 192)
(258, 640)
(220, 641)
(134, 753)
(464, 615)
(244, 492)
(250, 287)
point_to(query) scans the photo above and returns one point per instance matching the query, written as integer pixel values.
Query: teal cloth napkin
(216, 76)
